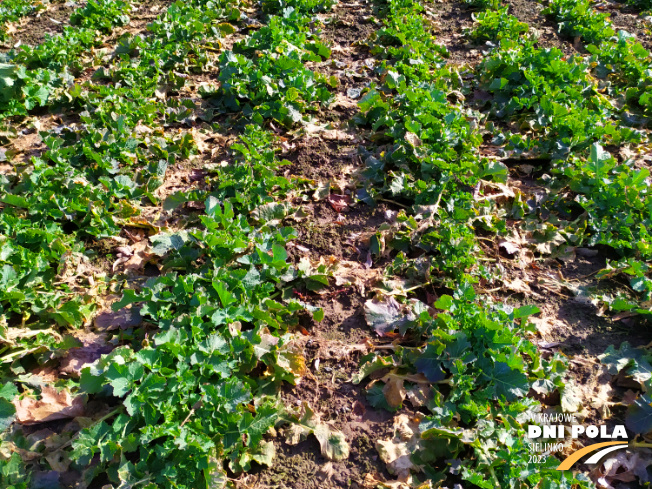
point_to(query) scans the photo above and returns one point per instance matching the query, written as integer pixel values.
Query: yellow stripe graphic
(568, 462)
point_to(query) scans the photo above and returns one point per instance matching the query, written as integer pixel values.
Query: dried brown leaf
(418, 395)
(339, 203)
(510, 247)
(350, 273)
(376, 481)
(53, 405)
(385, 314)
(394, 391)
(396, 452)
(625, 466)
(140, 257)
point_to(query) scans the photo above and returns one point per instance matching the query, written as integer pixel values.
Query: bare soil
(451, 18)
(340, 404)
(326, 231)
(624, 17)
(33, 29)
(530, 13)
(344, 236)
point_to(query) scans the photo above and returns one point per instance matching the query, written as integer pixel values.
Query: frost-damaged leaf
(336, 350)
(419, 395)
(371, 481)
(353, 93)
(601, 399)
(509, 247)
(162, 243)
(639, 415)
(140, 256)
(225, 28)
(517, 247)
(394, 391)
(263, 453)
(322, 191)
(368, 368)
(93, 347)
(413, 140)
(518, 285)
(270, 212)
(291, 360)
(626, 466)
(570, 401)
(59, 460)
(355, 274)
(215, 475)
(332, 442)
(396, 452)
(300, 427)
(386, 315)
(634, 361)
(327, 133)
(53, 405)
(549, 243)
(266, 344)
(396, 455)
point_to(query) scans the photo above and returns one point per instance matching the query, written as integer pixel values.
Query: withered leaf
(53, 405)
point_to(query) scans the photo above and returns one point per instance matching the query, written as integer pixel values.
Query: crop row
(570, 110)
(80, 188)
(475, 355)
(31, 76)
(222, 351)
(193, 396)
